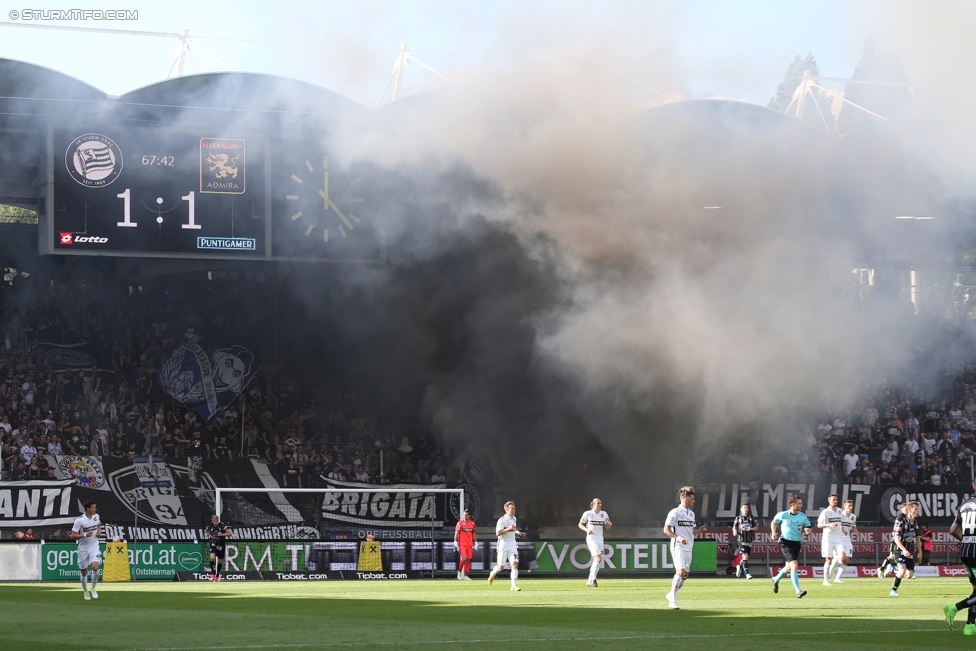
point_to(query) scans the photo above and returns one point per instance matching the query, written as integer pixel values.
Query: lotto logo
(70, 238)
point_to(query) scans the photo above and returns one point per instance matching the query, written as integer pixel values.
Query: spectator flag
(207, 380)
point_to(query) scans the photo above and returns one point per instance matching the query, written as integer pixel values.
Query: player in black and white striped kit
(744, 529)
(964, 529)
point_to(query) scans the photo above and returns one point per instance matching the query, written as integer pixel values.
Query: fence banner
(59, 561)
(303, 576)
(868, 571)
(620, 556)
(872, 503)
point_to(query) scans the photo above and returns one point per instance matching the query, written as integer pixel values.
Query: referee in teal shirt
(793, 524)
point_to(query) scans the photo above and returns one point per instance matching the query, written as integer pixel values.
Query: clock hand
(329, 204)
(325, 186)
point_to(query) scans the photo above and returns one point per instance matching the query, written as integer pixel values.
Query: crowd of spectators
(307, 430)
(898, 438)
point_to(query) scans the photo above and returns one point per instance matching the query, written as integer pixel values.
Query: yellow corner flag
(370, 559)
(116, 562)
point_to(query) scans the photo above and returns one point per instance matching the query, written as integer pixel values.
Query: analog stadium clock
(321, 207)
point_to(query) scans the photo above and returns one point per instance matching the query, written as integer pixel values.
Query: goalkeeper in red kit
(465, 544)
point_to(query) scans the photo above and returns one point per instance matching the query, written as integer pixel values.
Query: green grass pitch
(716, 614)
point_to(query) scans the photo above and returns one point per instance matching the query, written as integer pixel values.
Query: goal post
(403, 529)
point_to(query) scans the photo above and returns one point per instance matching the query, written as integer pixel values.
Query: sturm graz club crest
(93, 160)
(148, 489)
(472, 502)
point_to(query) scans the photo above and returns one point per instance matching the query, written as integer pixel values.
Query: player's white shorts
(830, 548)
(681, 556)
(595, 546)
(507, 555)
(848, 548)
(88, 556)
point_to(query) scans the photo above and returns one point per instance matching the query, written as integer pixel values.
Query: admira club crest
(93, 160)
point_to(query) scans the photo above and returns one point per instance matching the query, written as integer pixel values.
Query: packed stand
(117, 410)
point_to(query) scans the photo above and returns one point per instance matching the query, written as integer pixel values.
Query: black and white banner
(408, 506)
(37, 503)
(872, 503)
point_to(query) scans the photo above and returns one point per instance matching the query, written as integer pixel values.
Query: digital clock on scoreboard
(153, 190)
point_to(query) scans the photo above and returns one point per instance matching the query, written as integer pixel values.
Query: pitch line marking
(603, 638)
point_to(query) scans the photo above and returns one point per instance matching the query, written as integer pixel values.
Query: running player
(593, 522)
(964, 529)
(744, 529)
(794, 524)
(87, 529)
(680, 527)
(219, 533)
(831, 542)
(464, 544)
(888, 564)
(506, 530)
(904, 536)
(848, 526)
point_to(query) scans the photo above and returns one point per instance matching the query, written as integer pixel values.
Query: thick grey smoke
(659, 328)
(595, 293)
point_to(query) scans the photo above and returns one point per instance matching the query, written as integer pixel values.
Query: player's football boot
(893, 593)
(970, 629)
(748, 577)
(837, 581)
(515, 588)
(826, 582)
(880, 573)
(491, 578)
(950, 611)
(775, 587)
(801, 594)
(465, 578)
(460, 577)
(673, 605)
(94, 594)
(87, 596)
(595, 584)
(738, 571)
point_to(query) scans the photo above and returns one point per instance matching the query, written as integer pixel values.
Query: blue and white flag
(208, 381)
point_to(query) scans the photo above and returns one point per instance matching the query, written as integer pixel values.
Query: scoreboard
(209, 193)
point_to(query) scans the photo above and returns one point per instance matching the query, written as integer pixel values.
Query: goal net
(341, 528)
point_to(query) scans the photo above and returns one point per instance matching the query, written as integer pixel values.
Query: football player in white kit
(832, 540)
(680, 527)
(593, 523)
(86, 530)
(848, 526)
(507, 546)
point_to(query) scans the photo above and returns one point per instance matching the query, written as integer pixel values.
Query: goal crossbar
(219, 490)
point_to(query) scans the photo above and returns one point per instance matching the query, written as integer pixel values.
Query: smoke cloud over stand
(595, 293)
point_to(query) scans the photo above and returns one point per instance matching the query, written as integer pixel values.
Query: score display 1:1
(127, 212)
